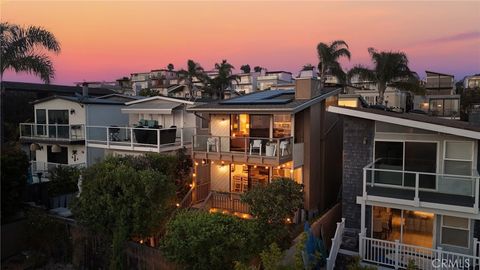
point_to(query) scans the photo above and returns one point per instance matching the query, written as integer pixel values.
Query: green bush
(63, 180)
(200, 240)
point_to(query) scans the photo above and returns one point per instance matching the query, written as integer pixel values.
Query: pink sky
(107, 40)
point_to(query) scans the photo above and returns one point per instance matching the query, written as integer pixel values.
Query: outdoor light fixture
(196, 163)
(72, 111)
(203, 161)
(35, 147)
(56, 148)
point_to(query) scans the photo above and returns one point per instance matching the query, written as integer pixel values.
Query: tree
(257, 69)
(14, 165)
(245, 68)
(21, 50)
(120, 201)
(307, 67)
(194, 72)
(202, 240)
(328, 56)
(63, 180)
(170, 67)
(389, 68)
(224, 79)
(147, 92)
(276, 202)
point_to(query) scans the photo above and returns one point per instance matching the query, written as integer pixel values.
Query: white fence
(399, 255)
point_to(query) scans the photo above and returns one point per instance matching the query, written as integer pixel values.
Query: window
(458, 157)
(455, 231)
(41, 120)
(205, 122)
(282, 125)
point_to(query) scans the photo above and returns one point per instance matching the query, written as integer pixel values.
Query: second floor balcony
(422, 189)
(268, 151)
(51, 132)
(139, 139)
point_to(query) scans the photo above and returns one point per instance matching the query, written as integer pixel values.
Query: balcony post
(440, 254)
(246, 145)
(131, 138)
(476, 252)
(477, 194)
(56, 130)
(69, 132)
(417, 186)
(364, 183)
(219, 150)
(108, 136)
(158, 140)
(181, 137)
(397, 253)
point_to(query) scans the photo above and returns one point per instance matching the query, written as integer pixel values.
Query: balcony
(267, 151)
(52, 132)
(40, 170)
(422, 189)
(139, 139)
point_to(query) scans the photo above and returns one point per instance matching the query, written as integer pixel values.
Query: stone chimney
(306, 88)
(85, 89)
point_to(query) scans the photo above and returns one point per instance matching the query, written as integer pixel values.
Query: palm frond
(40, 65)
(362, 72)
(342, 52)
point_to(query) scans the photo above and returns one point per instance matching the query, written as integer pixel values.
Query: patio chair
(212, 141)
(284, 147)
(256, 144)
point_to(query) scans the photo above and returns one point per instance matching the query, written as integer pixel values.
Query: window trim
(455, 228)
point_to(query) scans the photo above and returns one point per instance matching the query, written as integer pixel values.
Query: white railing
(336, 242)
(253, 146)
(399, 255)
(42, 169)
(476, 247)
(138, 139)
(423, 187)
(52, 131)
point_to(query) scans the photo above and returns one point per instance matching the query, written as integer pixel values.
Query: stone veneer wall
(358, 140)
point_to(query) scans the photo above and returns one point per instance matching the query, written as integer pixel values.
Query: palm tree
(223, 80)
(257, 69)
(170, 67)
(390, 68)
(23, 49)
(194, 73)
(245, 68)
(328, 56)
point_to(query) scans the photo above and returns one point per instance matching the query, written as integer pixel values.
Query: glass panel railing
(52, 131)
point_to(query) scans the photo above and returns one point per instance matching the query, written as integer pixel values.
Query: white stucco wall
(76, 118)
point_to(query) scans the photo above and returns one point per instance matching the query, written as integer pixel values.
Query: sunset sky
(105, 40)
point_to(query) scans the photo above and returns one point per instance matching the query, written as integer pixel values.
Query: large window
(458, 157)
(444, 107)
(406, 158)
(41, 120)
(58, 123)
(260, 126)
(455, 231)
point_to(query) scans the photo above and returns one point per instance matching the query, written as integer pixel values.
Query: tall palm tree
(245, 68)
(23, 49)
(191, 75)
(328, 57)
(390, 68)
(223, 80)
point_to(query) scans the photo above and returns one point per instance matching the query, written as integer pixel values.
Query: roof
(245, 105)
(53, 88)
(159, 108)
(172, 99)
(437, 73)
(81, 99)
(120, 97)
(454, 127)
(278, 71)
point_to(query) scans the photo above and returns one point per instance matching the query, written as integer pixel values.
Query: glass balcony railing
(253, 146)
(52, 131)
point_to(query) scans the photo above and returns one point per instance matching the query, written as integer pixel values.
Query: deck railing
(398, 255)
(253, 146)
(336, 242)
(422, 187)
(139, 139)
(228, 201)
(60, 132)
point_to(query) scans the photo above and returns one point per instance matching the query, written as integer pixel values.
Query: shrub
(63, 180)
(200, 240)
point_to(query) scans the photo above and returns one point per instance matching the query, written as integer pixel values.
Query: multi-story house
(440, 99)
(156, 124)
(57, 136)
(250, 140)
(410, 189)
(472, 82)
(140, 81)
(247, 82)
(272, 78)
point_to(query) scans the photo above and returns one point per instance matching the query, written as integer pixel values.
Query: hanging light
(34, 147)
(56, 148)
